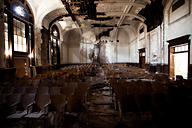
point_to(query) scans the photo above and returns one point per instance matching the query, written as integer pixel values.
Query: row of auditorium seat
(141, 96)
(10, 96)
(31, 106)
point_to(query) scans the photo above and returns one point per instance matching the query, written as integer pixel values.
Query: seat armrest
(29, 105)
(14, 104)
(46, 106)
(11, 106)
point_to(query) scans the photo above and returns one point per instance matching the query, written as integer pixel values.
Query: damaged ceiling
(106, 15)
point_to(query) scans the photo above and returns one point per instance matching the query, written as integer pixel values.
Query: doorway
(178, 56)
(142, 58)
(179, 61)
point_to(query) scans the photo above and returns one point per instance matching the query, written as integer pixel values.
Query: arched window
(55, 45)
(19, 35)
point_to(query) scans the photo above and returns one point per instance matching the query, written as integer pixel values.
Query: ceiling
(102, 15)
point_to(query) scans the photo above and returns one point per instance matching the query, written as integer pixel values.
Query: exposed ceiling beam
(142, 5)
(127, 9)
(140, 17)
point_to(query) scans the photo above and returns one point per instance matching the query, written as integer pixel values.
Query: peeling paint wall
(77, 45)
(38, 42)
(44, 46)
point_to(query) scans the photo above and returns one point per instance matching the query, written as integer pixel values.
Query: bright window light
(20, 11)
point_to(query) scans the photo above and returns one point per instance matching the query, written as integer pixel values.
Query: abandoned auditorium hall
(95, 64)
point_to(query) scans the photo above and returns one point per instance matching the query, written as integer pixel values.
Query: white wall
(142, 43)
(155, 46)
(177, 24)
(110, 52)
(123, 46)
(133, 52)
(64, 53)
(74, 53)
(123, 52)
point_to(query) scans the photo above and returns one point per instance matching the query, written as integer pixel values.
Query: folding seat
(68, 80)
(157, 87)
(42, 90)
(57, 108)
(39, 108)
(122, 80)
(87, 87)
(43, 75)
(179, 77)
(45, 84)
(54, 90)
(164, 78)
(35, 82)
(58, 102)
(126, 104)
(23, 105)
(144, 99)
(31, 90)
(159, 97)
(9, 105)
(187, 88)
(64, 84)
(112, 84)
(123, 76)
(19, 90)
(73, 110)
(109, 76)
(118, 91)
(116, 76)
(17, 83)
(131, 88)
(157, 77)
(8, 90)
(69, 90)
(81, 92)
(72, 84)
